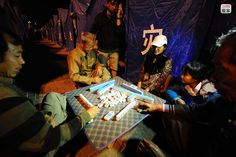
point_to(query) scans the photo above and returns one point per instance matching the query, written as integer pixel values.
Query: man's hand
(147, 89)
(93, 111)
(97, 71)
(139, 85)
(146, 76)
(50, 120)
(149, 107)
(97, 79)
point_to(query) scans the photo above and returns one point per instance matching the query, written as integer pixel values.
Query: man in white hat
(156, 69)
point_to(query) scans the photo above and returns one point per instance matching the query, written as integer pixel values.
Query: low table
(100, 132)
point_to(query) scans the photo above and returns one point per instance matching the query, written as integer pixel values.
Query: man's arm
(30, 131)
(184, 111)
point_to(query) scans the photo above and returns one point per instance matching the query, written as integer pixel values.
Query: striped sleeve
(177, 109)
(19, 120)
(25, 128)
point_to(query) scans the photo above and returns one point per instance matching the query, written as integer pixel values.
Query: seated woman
(156, 69)
(84, 67)
(194, 88)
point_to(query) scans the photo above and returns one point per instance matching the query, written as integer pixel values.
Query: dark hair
(197, 70)
(229, 41)
(116, 2)
(7, 36)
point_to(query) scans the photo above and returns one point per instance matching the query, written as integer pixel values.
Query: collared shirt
(81, 66)
(205, 87)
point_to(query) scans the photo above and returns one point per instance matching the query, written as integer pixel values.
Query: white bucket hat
(159, 40)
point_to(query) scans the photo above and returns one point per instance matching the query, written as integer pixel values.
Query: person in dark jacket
(24, 129)
(109, 28)
(212, 125)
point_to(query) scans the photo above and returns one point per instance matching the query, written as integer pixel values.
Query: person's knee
(56, 104)
(53, 95)
(55, 101)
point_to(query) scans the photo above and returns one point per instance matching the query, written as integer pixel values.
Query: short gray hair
(229, 40)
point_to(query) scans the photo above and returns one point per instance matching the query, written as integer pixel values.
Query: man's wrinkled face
(88, 46)
(12, 61)
(224, 74)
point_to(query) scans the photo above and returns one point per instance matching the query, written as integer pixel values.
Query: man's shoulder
(76, 51)
(7, 91)
(101, 15)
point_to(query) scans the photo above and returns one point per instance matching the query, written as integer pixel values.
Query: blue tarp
(179, 20)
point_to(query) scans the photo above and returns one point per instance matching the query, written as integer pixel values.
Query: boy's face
(187, 79)
(12, 61)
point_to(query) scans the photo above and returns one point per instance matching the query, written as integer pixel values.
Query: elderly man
(24, 129)
(84, 67)
(212, 130)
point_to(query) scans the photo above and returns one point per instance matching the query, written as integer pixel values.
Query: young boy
(194, 88)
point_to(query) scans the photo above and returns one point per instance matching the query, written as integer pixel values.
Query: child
(195, 88)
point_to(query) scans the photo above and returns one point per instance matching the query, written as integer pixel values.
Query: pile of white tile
(111, 98)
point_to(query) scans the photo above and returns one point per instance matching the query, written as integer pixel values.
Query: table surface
(100, 132)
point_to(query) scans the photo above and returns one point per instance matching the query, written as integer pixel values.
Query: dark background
(41, 11)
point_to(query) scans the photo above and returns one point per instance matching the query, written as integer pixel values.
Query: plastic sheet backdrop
(184, 22)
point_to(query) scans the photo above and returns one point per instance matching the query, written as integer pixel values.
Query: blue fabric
(95, 8)
(172, 95)
(179, 20)
(80, 6)
(55, 28)
(213, 97)
(85, 12)
(180, 92)
(69, 33)
(62, 15)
